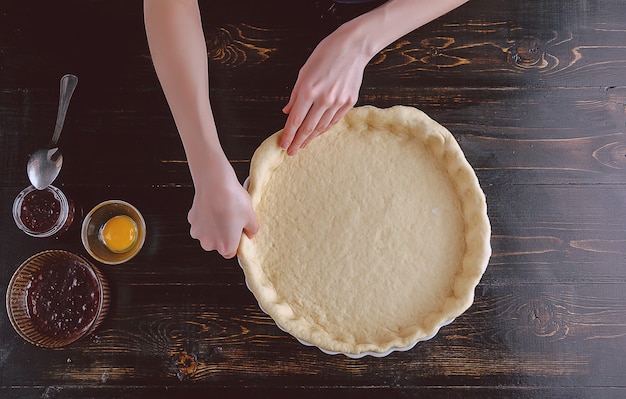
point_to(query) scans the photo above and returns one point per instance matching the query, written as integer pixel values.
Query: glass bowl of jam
(55, 298)
(43, 213)
(113, 232)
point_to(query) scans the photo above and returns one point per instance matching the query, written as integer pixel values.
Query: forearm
(178, 50)
(378, 28)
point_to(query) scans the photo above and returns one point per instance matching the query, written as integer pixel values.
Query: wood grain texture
(534, 92)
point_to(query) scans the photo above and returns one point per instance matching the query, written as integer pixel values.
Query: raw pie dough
(371, 238)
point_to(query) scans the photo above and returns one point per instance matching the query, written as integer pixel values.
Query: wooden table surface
(535, 93)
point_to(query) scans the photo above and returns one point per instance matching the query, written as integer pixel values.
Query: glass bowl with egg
(113, 232)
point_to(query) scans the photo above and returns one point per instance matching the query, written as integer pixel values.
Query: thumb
(252, 227)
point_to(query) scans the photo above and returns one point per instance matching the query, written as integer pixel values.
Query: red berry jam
(43, 213)
(63, 299)
(40, 210)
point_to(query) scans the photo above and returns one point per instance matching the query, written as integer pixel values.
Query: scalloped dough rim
(463, 293)
(350, 355)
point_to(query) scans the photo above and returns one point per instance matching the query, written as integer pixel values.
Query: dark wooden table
(534, 91)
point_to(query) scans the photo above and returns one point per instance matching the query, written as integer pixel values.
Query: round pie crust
(372, 238)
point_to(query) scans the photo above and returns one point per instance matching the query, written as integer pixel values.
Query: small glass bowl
(43, 213)
(55, 298)
(95, 220)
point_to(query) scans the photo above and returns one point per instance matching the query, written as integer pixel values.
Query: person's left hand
(326, 89)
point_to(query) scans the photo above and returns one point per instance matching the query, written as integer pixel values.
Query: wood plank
(540, 234)
(548, 337)
(388, 392)
(508, 136)
(501, 46)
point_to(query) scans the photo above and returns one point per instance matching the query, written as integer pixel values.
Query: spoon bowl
(44, 165)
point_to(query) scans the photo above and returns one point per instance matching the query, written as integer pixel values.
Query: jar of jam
(43, 213)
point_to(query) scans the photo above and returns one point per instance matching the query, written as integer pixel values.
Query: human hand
(221, 211)
(326, 89)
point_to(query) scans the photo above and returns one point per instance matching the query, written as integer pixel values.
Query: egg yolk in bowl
(119, 233)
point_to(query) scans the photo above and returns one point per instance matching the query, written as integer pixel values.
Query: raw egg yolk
(119, 233)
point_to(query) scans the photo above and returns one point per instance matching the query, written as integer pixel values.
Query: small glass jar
(43, 213)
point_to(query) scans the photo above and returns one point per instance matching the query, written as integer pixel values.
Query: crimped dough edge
(269, 156)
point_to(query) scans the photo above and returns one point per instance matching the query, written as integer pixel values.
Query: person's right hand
(221, 210)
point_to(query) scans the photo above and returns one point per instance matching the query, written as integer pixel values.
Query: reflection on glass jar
(43, 213)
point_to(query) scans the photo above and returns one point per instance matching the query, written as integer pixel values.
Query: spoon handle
(68, 84)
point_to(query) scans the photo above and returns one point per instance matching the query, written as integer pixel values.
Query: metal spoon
(44, 165)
